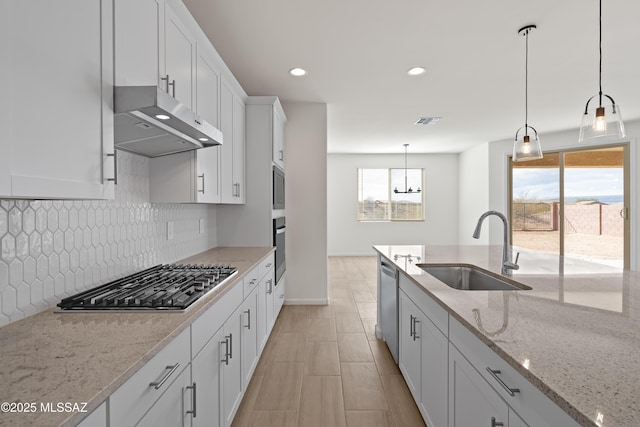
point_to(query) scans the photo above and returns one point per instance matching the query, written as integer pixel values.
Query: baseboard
(302, 301)
(373, 253)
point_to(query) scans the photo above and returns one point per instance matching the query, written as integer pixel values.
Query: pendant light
(524, 148)
(606, 122)
(407, 190)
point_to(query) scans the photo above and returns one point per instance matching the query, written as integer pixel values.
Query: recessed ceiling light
(416, 71)
(298, 72)
(162, 117)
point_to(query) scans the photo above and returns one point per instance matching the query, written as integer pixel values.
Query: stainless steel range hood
(150, 122)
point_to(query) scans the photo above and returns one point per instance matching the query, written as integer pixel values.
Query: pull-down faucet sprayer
(507, 263)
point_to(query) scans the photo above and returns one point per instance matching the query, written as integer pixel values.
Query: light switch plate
(169, 230)
(201, 225)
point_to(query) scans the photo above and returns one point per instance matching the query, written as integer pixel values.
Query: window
(574, 202)
(377, 200)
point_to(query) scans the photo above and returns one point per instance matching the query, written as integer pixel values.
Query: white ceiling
(357, 53)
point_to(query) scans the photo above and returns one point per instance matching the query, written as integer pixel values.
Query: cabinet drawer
(206, 325)
(428, 306)
(251, 280)
(278, 300)
(266, 265)
(129, 403)
(530, 403)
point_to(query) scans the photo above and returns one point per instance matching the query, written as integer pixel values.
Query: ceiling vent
(427, 120)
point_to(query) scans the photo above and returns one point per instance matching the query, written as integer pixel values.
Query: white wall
(306, 198)
(499, 150)
(347, 236)
(473, 194)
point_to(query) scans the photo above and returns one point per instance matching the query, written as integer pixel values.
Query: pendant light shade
(527, 143)
(602, 120)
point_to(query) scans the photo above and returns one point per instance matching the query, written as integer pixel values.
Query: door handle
(171, 83)
(248, 325)
(494, 373)
(226, 350)
(115, 167)
(201, 176)
(495, 423)
(158, 384)
(193, 397)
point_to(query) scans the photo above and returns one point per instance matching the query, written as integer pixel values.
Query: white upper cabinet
(137, 38)
(179, 58)
(57, 107)
(232, 165)
(279, 121)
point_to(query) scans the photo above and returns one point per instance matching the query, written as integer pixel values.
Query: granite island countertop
(575, 335)
(84, 357)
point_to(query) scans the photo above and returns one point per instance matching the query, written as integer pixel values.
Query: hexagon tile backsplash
(52, 249)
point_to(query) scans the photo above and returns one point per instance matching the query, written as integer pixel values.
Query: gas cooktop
(172, 287)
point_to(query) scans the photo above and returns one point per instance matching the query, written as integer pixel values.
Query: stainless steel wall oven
(279, 228)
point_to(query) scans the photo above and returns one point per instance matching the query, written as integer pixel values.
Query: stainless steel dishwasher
(389, 305)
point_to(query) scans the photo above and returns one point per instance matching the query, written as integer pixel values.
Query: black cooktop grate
(163, 287)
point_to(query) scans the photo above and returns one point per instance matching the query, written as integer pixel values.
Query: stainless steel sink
(470, 278)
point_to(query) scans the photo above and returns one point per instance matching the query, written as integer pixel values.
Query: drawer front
(266, 265)
(130, 402)
(206, 325)
(428, 306)
(278, 300)
(529, 402)
(250, 281)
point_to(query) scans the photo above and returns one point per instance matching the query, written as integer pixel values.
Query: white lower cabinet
(472, 401)
(175, 407)
(457, 380)
(249, 336)
(267, 288)
(278, 297)
(205, 370)
(422, 357)
(135, 397)
(231, 391)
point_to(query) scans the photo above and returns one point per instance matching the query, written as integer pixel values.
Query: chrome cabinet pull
(201, 176)
(494, 373)
(171, 83)
(193, 396)
(115, 167)
(281, 154)
(226, 350)
(158, 384)
(411, 325)
(270, 288)
(230, 346)
(268, 266)
(248, 325)
(415, 333)
(495, 423)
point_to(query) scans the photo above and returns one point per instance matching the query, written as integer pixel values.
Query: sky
(542, 183)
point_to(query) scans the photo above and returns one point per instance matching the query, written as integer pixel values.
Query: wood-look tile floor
(323, 365)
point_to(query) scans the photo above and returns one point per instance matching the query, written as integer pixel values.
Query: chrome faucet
(507, 263)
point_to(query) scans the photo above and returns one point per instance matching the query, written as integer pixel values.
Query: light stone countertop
(84, 357)
(578, 328)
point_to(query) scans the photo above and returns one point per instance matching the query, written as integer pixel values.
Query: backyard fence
(594, 218)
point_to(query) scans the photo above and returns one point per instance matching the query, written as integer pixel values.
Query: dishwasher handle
(388, 270)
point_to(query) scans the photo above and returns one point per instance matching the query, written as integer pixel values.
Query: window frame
(389, 217)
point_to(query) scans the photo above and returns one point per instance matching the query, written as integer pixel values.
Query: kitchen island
(81, 358)
(575, 336)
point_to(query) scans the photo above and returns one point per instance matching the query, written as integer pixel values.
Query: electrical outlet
(169, 230)
(201, 225)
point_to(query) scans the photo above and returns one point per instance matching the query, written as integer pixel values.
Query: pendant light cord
(526, 82)
(600, 53)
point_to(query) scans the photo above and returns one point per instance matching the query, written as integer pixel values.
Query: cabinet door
(472, 402)
(270, 296)
(207, 181)
(238, 150)
(434, 379)
(410, 334)
(278, 298)
(173, 406)
(226, 151)
(249, 336)
(206, 375)
(58, 129)
(136, 63)
(232, 367)
(278, 139)
(261, 321)
(179, 54)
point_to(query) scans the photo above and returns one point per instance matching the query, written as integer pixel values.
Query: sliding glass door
(573, 203)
